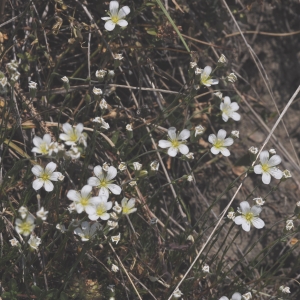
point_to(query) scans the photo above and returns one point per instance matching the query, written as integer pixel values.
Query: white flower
(253, 150)
(73, 153)
(205, 268)
(112, 224)
(137, 166)
(114, 216)
(26, 226)
(235, 296)
(222, 59)
(117, 208)
(14, 242)
(99, 208)
(97, 91)
(102, 122)
(190, 178)
(177, 293)
(71, 135)
(247, 296)
(32, 85)
(34, 242)
(15, 76)
(285, 289)
(219, 95)
(249, 216)
(128, 206)
(231, 78)
(83, 199)
(229, 110)
(286, 174)
(103, 104)
(220, 143)
(45, 176)
(235, 134)
(198, 130)
(129, 127)
(61, 228)
(298, 203)
(175, 142)
(190, 155)
(206, 79)
(65, 79)
(122, 166)
(42, 214)
(133, 183)
(198, 71)
(103, 181)
(193, 64)
(23, 211)
(101, 73)
(118, 56)
(87, 232)
(267, 167)
(154, 165)
(3, 82)
(116, 16)
(259, 201)
(71, 207)
(116, 238)
(231, 215)
(114, 268)
(289, 225)
(105, 166)
(42, 146)
(190, 238)
(272, 151)
(56, 147)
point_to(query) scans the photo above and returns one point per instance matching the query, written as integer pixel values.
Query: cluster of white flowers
(238, 296)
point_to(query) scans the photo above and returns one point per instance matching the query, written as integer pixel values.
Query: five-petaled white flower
(267, 167)
(235, 296)
(25, 226)
(229, 110)
(42, 213)
(42, 146)
(103, 181)
(87, 232)
(128, 206)
(175, 142)
(220, 143)
(205, 77)
(83, 199)
(116, 16)
(99, 209)
(34, 242)
(45, 176)
(249, 216)
(71, 135)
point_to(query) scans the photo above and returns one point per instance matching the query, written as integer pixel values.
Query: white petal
(67, 128)
(264, 157)
(212, 139)
(104, 192)
(90, 210)
(227, 100)
(105, 216)
(108, 205)
(245, 207)
(114, 7)
(36, 150)
(235, 116)
(93, 181)
(215, 150)
(55, 175)
(274, 160)
(98, 172)
(130, 203)
(276, 173)
(106, 18)
(225, 151)
(256, 210)
(172, 133)
(183, 149)
(258, 223)
(64, 137)
(37, 141)
(74, 195)
(184, 134)
(223, 298)
(37, 170)
(78, 231)
(221, 134)
(111, 173)
(122, 23)
(206, 72)
(78, 129)
(48, 185)
(47, 138)
(234, 106)
(50, 168)
(228, 142)
(37, 184)
(109, 25)
(224, 117)
(79, 208)
(258, 169)
(164, 144)
(236, 296)
(93, 217)
(85, 191)
(239, 220)
(246, 226)
(214, 81)
(173, 151)
(266, 178)
(115, 189)
(123, 12)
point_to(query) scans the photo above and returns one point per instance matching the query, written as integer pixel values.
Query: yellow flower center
(73, 137)
(84, 201)
(115, 19)
(126, 209)
(249, 216)
(25, 227)
(265, 167)
(45, 176)
(103, 183)
(219, 143)
(100, 210)
(175, 143)
(43, 148)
